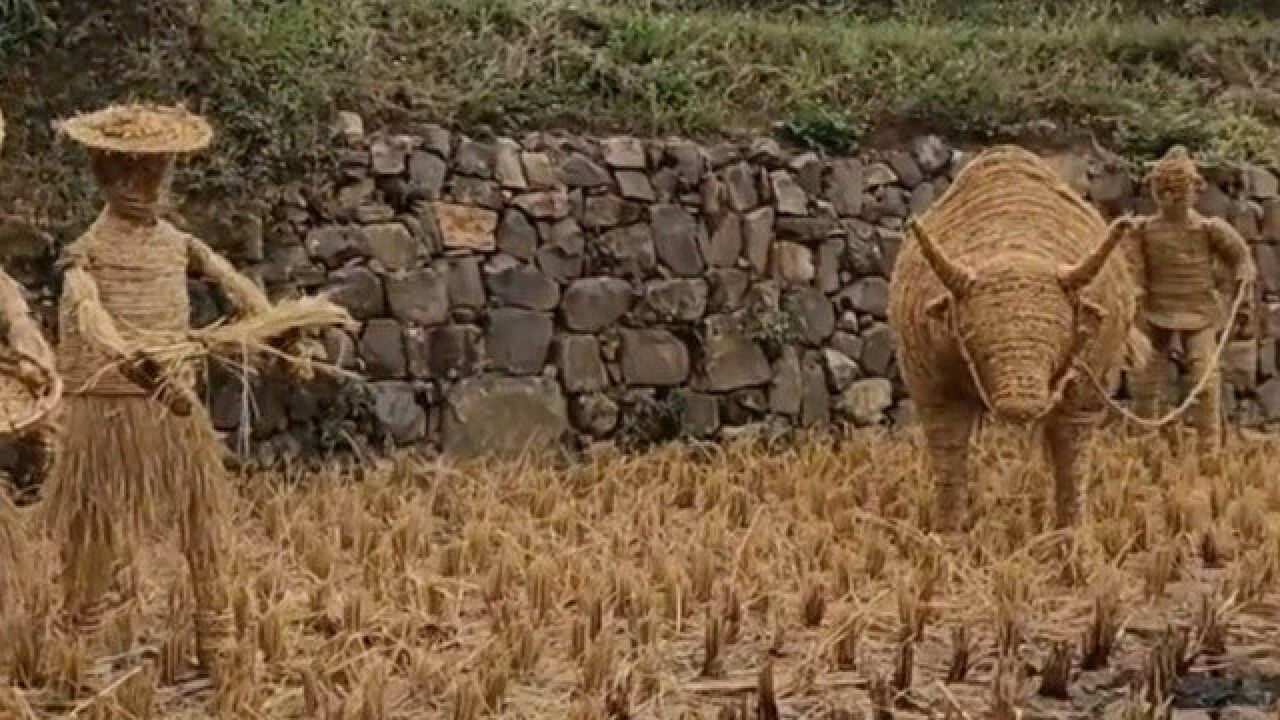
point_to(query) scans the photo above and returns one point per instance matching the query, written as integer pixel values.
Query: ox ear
(937, 308)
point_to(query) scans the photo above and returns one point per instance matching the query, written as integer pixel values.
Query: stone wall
(556, 286)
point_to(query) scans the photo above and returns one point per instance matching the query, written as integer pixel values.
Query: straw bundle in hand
(233, 341)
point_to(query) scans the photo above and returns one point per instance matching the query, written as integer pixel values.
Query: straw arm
(247, 297)
(23, 333)
(80, 298)
(1231, 247)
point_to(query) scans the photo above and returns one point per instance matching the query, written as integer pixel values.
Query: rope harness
(1078, 366)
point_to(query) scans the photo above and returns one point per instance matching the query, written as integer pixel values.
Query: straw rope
(46, 400)
(1210, 367)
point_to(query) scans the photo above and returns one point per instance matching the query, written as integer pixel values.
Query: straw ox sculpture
(1004, 301)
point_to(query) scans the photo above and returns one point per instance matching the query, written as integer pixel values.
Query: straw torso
(1182, 295)
(141, 276)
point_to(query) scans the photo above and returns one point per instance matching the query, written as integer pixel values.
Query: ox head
(1018, 319)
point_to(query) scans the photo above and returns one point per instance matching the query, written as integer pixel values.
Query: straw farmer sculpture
(1174, 252)
(25, 353)
(135, 441)
(1002, 302)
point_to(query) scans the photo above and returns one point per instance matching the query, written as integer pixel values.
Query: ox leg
(1066, 442)
(948, 429)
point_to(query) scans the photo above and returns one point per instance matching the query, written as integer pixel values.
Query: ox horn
(954, 277)
(1075, 277)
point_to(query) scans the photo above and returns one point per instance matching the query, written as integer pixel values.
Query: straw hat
(140, 130)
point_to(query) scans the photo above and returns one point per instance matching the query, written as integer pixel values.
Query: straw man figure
(23, 348)
(136, 444)
(1176, 250)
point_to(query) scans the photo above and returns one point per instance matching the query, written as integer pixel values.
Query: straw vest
(141, 276)
(1181, 292)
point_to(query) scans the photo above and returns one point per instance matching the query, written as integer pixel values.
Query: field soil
(742, 581)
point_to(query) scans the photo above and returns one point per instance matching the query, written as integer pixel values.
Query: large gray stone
(419, 296)
(701, 414)
(1267, 260)
(503, 417)
(336, 245)
(426, 174)
(808, 170)
(906, 168)
(789, 197)
(844, 187)
(395, 405)
(1260, 183)
(675, 234)
(560, 264)
(730, 359)
(809, 231)
(629, 251)
(393, 246)
(1271, 221)
(741, 182)
(931, 153)
(475, 191)
(841, 370)
(1113, 191)
(877, 349)
(1269, 398)
(792, 264)
(635, 186)
(517, 236)
(603, 211)
(725, 243)
(868, 295)
(688, 161)
(828, 265)
(679, 300)
(787, 388)
(623, 152)
(462, 278)
(578, 359)
(382, 349)
(815, 401)
(867, 401)
(520, 285)
(595, 414)
(653, 357)
(453, 350)
(757, 231)
(579, 171)
(507, 169)
(388, 154)
(1240, 365)
(538, 171)
(878, 175)
(518, 340)
(547, 205)
(592, 304)
(728, 287)
(357, 289)
(815, 315)
(473, 158)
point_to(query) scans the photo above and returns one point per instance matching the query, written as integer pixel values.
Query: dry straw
(140, 130)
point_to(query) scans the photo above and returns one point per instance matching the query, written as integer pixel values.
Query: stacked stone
(560, 286)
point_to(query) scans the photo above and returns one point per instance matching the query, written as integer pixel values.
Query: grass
(678, 582)
(1138, 75)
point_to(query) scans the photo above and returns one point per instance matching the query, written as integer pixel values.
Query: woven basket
(22, 406)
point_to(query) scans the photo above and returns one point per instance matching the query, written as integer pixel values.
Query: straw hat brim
(140, 130)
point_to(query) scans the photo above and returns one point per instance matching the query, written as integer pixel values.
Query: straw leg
(1066, 442)
(95, 554)
(203, 533)
(1207, 412)
(948, 429)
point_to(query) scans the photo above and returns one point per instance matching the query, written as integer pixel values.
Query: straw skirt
(126, 468)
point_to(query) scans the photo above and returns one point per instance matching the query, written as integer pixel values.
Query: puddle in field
(1215, 691)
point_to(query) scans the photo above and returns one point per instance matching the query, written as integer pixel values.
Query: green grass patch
(1139, 76)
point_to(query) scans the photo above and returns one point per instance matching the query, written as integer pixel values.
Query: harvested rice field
(728, 582)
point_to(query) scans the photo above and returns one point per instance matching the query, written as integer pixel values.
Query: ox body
(1006, 301)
